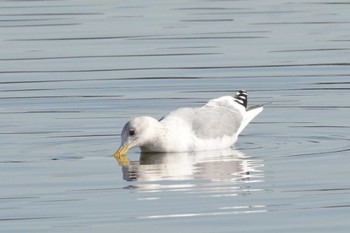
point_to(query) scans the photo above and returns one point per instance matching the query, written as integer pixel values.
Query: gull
(214, 126)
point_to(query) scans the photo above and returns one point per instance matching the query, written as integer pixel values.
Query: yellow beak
(120, 155)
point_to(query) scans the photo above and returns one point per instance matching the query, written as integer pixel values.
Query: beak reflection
(120, 155)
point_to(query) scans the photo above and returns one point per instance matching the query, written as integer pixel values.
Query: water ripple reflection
(223, 165)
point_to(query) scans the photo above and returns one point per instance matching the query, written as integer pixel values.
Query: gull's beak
(120, 155)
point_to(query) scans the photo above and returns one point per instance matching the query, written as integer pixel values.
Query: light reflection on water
(222, 165)
(208, 175)
(233, 211)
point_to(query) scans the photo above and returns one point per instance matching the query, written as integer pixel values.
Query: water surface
(73, 72)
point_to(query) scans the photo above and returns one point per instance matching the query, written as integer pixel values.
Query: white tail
(251, 113)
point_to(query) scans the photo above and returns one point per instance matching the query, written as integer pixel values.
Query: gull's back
(218, 118)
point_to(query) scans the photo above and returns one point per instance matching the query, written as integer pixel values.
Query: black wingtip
(242, 98)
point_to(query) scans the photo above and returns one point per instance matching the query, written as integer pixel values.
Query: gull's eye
(131, 132)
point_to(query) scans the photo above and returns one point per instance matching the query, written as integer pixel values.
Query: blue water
(73, 72)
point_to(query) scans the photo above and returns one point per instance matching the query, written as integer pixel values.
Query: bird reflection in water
(222, 165)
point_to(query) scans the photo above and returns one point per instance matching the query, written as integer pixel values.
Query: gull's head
(136, 133)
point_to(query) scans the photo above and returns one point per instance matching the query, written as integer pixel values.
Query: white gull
(214, 126)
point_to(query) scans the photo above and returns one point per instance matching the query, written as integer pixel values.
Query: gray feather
(210, 121)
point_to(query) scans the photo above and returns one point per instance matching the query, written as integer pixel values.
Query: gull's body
(216, 125)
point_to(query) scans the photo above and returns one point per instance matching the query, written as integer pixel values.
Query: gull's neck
(157, 137)
(168, 136)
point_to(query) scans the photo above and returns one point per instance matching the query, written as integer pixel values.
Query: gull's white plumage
(216, 125)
